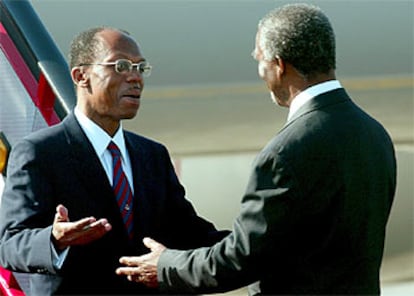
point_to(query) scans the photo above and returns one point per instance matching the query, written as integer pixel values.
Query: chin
(275, 99)
(278, 100)
(130, 114)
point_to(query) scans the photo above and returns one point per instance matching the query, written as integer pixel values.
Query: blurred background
(205, 102)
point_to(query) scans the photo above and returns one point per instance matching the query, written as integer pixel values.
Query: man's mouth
(132, 95)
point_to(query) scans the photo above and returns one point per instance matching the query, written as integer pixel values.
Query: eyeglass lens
(123, 66)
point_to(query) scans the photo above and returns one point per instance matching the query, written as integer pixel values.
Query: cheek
(267, 75)
(108, 88)
(261, 70)
(266, 72)
(106, 80)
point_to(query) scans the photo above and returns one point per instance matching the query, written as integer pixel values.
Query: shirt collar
(310, 93)
(98, 137)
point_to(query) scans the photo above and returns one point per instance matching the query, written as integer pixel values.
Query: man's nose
(135, 76)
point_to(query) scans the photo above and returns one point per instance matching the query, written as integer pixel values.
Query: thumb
(61, 214)
(153, 245)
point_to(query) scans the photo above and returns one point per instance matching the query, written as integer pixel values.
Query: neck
(299, 83)
(106, 123)
(319, 78)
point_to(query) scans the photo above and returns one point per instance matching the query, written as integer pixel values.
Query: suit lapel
(85, 161)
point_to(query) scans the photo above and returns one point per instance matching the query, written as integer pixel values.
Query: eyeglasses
(126, 66)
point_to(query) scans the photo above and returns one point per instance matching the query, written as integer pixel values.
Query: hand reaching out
(81, 232)
(143, 269)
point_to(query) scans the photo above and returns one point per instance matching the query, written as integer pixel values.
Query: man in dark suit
(314, 214)
(59, 218)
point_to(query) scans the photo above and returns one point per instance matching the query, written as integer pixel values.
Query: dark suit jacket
(314, 215)
(58, 165)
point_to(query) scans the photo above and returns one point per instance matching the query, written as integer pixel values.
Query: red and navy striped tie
(121, 188)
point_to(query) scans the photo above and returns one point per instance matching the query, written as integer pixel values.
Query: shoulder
(45, 135)
(50, 138)
(68, 125)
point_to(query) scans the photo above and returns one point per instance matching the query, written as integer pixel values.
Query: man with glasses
(85, 192)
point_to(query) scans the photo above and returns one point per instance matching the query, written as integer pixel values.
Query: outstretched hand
(143, 269)
(81, 232)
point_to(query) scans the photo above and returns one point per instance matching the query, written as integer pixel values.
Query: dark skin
(106, 97)
(143, 269)
(81, 232)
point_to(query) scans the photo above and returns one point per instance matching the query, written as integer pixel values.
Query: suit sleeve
(240, 258)
(25, 226)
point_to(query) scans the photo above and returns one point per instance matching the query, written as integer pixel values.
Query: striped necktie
(121, 189)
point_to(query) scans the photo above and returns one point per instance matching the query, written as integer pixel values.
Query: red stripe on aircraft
(40, 93)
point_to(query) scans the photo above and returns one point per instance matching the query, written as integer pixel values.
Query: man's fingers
(93, 224)
(126, 270)
(135, 274)
(143, 268)
(153, 245)
(85, 223)
(130, 261)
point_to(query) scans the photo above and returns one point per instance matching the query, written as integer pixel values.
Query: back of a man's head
(300, 34)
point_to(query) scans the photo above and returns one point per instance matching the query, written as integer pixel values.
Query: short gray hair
(302, 35)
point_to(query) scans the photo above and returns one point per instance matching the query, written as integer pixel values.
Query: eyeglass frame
(130, 67)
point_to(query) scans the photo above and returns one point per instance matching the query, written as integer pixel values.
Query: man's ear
(79, 76)
(280, 64)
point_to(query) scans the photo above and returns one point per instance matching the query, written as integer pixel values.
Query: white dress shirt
(311, 92)
(100, 141)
